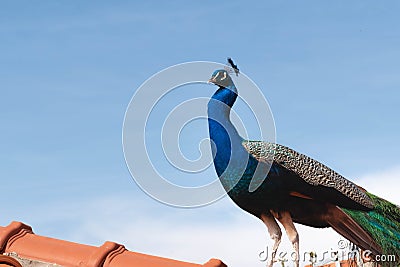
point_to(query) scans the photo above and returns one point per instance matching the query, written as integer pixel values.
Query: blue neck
(235, 167)
(223, 134)
(227, 96)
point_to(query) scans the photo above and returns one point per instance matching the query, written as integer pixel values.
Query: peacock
(294, 187)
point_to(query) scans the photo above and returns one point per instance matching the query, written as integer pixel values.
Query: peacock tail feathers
(382, 223)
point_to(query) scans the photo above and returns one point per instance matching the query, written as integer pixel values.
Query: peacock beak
(212, 80)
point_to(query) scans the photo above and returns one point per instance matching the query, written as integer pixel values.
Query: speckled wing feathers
(310, 170)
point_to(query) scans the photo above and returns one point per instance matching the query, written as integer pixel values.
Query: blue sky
(329, 70)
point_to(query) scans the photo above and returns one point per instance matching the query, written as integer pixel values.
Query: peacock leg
(275, 233)
(285, 219)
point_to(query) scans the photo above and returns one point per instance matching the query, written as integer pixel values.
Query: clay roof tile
(19, 240)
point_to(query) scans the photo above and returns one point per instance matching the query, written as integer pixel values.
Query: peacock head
(221, 78)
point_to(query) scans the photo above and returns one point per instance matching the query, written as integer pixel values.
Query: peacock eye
(224, 77)
(216, 76)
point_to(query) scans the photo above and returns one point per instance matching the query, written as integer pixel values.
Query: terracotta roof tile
(8, 261)
(19, 240)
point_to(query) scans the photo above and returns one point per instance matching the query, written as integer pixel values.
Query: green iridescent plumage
(383, 223)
